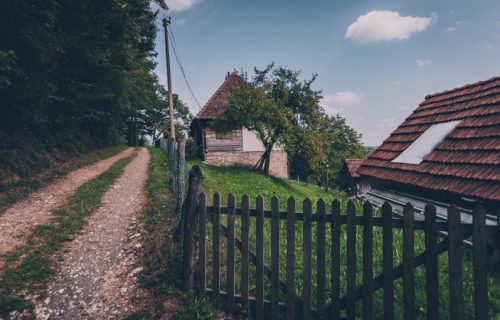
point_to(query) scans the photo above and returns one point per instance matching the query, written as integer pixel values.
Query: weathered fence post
(179, 175)
(189, 225)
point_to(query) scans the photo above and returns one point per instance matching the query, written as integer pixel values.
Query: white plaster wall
(252, 143)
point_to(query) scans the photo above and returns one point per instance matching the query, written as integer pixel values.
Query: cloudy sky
(375, 60)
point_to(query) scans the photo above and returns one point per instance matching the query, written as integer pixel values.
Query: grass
(240, 181)
(32, 267)
(161, 251)
(39, 168)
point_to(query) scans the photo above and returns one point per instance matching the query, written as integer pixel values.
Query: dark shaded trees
(73, 72)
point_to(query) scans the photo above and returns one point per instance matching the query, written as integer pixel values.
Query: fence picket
(215, 250)
(387, 261)
(367, 261)
(335, 262)
(230, 255)
(245, 225)
(431, 266)
(321, 260)
(260, 258)
(408, 262)
(306, 284)
(275, 256)
(203, 238)
(290, 260)
(351, 260)
(456, 306)
(480, 263)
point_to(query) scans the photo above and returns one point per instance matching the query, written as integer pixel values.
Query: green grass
(30, 269)
(38, 168)
(161, 250)
(240, 181)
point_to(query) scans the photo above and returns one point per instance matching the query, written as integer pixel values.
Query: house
(349, 177)
(239, 147)
(447, 151)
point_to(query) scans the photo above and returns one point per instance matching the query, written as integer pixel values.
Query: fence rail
(319, 236)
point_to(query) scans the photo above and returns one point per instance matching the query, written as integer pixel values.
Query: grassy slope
(34, 168)
(240, 181)
(39, 263)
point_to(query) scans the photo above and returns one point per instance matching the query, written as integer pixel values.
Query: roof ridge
(469, 85)
(217, 92)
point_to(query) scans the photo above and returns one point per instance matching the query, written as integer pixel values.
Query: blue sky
(375, 60)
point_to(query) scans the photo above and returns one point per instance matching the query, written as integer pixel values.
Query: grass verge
(162, 253)
(32, 267)
(49, 170)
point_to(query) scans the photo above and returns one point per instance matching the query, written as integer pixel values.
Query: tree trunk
(264, 162)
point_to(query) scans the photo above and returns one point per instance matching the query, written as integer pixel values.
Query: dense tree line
(76, 74)
(283, 110)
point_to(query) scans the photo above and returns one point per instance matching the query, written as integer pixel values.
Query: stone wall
(278, 166)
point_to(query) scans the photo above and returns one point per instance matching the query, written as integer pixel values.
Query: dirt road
(17, 222)
(97, 278)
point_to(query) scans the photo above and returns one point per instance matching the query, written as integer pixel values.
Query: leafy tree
(273, 105)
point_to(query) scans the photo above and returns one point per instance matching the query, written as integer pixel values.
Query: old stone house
(238, 147)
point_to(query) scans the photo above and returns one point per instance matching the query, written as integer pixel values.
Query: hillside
(241, 180)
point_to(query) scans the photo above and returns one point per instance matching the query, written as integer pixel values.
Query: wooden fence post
(179, 175)
(190, 223)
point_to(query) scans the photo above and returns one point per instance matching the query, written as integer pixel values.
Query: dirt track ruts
(17, 221)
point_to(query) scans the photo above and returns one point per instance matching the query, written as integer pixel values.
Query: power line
(176, 54)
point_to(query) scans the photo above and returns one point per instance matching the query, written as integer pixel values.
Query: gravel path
(97, 279)
(17, 222)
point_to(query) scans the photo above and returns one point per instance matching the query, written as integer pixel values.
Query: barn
(237, 147)
(447, 151)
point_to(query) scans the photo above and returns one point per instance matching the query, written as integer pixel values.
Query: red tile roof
(219, 101)
(466, 162)
(353, 166)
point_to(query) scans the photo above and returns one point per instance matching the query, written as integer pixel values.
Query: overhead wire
(177, 58)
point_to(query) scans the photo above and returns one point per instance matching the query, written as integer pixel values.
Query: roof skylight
(424, 144)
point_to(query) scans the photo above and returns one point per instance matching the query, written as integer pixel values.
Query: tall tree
(273, 104)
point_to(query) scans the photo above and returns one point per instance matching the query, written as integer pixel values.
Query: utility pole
(326, 185)
(166, 21)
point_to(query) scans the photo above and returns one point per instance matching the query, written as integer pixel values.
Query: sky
(375, 60)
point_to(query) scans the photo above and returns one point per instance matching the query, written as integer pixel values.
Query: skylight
(424, 144)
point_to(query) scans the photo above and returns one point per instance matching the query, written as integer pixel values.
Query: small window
(224, 135)
(424, 144)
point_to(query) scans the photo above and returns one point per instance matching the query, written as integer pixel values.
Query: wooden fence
(281, 299)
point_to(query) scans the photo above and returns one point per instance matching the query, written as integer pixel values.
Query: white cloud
(450, 29)
(181, 5)
(380, 25)
(423, 62)
(389, 123)
(335, 103)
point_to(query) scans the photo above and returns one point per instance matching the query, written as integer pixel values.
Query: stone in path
(97, 277)
(17, 221)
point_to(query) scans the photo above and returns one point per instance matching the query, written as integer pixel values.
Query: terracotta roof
(353, 166)
(466, 162)
(218, 103)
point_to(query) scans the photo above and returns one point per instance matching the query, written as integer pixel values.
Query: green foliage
(73, 72)
(273, 104)
(33, 265)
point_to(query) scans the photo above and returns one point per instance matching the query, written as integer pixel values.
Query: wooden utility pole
(166, 21)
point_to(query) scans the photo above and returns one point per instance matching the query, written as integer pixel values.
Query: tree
(273, 105)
